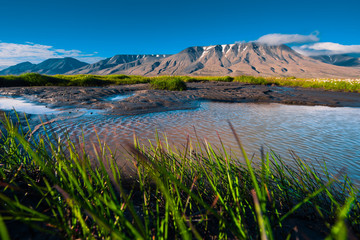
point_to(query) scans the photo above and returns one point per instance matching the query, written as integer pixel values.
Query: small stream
(22, 105)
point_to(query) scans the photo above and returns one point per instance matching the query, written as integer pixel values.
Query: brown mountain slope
(119, 64)
(339, 60)
(230, 59)
(249, 59)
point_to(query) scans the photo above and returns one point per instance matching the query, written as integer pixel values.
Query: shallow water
(315, 133)
(22, 105)
(119, 97)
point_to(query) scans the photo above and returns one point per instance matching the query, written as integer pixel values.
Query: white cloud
(326, 48)
(6, 63)
(13, 53)
(278, 38)
(312, 48)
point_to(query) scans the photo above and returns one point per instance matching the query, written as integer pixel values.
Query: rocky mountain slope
(122, 63)
(50, 66)
(339, 60)
(230, 59)
(18, 69)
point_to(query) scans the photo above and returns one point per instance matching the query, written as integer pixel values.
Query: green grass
(327, 84)
(197, 191)
(252, 80)
(30, 79)
(104, 79)
(168, 83)
(204, 79)
(35, 79)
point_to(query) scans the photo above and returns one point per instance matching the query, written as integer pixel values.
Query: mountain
(229, 59)
(217, 60)
(121, 63)
(18, 69)
(50, 66)
(339, 60)
(58, 66)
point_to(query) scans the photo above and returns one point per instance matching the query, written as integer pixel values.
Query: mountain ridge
(117, 63)
(216, 60)
(344, 60)
(51, 66)
(227, 59)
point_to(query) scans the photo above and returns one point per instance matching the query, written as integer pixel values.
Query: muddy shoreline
(143, 99)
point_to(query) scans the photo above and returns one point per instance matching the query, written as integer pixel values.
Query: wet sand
(146, 100)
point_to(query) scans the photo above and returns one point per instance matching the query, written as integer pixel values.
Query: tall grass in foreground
(196, 191)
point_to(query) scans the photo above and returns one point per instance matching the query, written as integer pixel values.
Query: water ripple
(313, 132)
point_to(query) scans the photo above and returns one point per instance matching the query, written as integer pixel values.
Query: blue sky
(90, 30)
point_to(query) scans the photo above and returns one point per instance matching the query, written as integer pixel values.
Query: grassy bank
(199, 192)
(34, 79)
(349, 85)
(166, 83)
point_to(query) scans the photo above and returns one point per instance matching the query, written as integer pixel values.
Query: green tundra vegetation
(175, 82)
(58, 187)
(172, 84)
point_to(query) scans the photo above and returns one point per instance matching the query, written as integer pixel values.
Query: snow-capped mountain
(229, 59)
(217, 60)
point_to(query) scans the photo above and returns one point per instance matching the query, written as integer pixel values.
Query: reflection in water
(22, 105)
(314, 133)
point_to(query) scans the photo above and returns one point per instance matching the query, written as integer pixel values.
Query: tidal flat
(144, 99)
